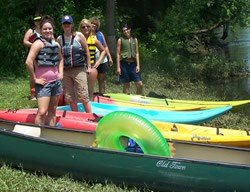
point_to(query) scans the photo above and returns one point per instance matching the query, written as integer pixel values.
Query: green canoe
(191, 167)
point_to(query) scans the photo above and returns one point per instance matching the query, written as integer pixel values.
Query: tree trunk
(110, 26)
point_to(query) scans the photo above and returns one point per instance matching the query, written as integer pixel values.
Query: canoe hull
(236, 105)
(66, 119)
(107, 100)
(144, 171)
(189, 117)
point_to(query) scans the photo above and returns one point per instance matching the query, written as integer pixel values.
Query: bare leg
(91, 82)
(126, 87)
(73, 105)
(52, 110)
(87, 107)
(43, 105)
(139, 87)
(101, 82)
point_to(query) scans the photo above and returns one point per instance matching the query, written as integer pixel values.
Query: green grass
(18, 180)
(14, 93)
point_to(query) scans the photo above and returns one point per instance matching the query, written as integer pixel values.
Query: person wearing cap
(128, 62)
(76, 65)
(107, 61)
(93, 44)
(29, 37)
(30, 33)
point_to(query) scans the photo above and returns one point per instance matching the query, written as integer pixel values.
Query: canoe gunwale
(8, 132)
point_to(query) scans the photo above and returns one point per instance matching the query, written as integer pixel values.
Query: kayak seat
(27, 130)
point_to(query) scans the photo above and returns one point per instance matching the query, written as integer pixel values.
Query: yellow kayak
(237, 105)
(203, 134)
(190, 107)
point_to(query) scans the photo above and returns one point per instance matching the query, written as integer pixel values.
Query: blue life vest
(100, 37)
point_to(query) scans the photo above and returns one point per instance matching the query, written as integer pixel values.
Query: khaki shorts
(75, 85)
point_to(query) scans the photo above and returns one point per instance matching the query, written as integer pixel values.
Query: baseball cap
(37, 18)
(66, 19)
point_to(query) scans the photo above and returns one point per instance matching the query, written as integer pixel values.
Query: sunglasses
(85, 27)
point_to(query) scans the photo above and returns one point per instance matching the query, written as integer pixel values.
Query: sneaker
(32, 98)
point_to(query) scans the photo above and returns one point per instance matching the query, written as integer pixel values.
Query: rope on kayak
(166, 101)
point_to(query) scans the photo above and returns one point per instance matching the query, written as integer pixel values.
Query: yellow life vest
(92, 48)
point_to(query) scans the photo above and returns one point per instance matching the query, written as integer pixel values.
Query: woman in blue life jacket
(93, 44)
(30, 35)
(45, 66)
(107, 61)
(128, 62)
(76, 65)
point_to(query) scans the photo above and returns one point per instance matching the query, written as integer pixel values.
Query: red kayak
(66, 119)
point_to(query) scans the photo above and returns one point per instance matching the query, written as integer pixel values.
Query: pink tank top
(48, 73)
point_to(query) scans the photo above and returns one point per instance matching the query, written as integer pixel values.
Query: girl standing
(93, 43)
(45, 66)
(76, 65)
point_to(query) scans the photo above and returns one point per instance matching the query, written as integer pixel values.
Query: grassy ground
(17, 180)
(14, 93)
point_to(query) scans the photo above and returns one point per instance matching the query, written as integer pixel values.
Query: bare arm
(102, 53)
(137, 56)
(107, 50)
(58, 39)
(34, 50)
(118, 50)
(61, 64)
(27, 35)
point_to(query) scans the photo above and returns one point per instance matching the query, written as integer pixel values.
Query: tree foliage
(173, 30)
(189, 28)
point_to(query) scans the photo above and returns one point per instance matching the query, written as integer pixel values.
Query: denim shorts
(103, 68)
(53, 88)
(128, 72)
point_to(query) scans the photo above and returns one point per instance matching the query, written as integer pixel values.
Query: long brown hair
(47, 19)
